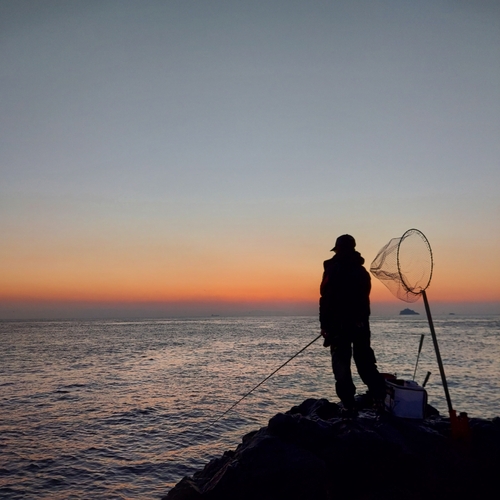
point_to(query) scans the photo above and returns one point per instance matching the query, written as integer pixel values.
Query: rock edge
(310, 452)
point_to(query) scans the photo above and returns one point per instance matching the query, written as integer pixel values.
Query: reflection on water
(120, 409)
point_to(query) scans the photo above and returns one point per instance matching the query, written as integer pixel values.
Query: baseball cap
(344, 242)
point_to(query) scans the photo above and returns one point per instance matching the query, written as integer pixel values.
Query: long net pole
(438, 355)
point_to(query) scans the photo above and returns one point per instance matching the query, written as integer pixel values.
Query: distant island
(407, 312)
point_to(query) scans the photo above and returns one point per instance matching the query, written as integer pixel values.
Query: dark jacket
(345, 292)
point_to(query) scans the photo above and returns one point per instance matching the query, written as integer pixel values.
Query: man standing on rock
(344, 310)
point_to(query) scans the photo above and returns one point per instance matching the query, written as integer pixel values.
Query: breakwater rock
(310, 452)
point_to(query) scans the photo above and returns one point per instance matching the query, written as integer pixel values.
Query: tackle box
(405, 398)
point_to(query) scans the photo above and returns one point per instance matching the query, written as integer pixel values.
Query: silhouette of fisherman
(344, 310)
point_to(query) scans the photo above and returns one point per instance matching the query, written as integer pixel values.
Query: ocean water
(122, 409)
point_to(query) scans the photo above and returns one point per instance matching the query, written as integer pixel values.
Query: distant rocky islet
(408, 312)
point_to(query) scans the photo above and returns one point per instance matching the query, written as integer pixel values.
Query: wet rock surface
(311, 452)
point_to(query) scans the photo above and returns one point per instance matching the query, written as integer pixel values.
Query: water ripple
(122, 409)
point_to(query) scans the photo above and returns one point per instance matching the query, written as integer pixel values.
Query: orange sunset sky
(171, 158)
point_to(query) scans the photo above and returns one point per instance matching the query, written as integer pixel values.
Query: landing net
(405, 265)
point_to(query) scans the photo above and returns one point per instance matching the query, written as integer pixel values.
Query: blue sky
(182, 141)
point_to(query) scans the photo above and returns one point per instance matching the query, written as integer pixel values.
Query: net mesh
(404, 265)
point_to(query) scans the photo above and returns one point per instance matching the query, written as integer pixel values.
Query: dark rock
(311, 453)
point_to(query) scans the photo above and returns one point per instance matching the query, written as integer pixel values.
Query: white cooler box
(405, 398)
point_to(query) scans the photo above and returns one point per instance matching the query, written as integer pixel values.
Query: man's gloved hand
(327, 342)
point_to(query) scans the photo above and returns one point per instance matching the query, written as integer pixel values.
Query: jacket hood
(350, 258)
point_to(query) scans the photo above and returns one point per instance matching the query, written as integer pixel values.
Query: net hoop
(415, 289)
(405, 265)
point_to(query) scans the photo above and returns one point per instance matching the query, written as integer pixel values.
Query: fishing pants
(354, 341)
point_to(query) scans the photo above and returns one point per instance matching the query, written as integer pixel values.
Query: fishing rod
(418, 355)
(260, 383)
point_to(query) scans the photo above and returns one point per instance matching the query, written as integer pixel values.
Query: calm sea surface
(116, 409)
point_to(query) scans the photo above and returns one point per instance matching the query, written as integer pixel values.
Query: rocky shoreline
(310, 452)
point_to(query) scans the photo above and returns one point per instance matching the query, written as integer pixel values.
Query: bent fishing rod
(260, 383)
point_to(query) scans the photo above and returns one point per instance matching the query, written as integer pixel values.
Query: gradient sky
(184, 157)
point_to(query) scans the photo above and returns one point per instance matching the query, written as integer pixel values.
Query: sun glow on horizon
(251, 288)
